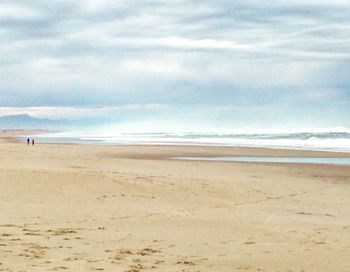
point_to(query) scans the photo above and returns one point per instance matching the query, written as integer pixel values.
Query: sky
(178, 65)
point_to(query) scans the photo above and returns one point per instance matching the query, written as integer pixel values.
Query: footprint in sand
(185, 262)
(59, 268)
(249, 243)
(62, 231)
(71, 259)
(34, 251)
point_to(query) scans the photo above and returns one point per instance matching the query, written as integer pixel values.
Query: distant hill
(25, 121)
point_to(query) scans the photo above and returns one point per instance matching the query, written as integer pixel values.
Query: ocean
(324, 141)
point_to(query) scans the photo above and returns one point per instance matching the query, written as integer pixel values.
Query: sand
(130, 208)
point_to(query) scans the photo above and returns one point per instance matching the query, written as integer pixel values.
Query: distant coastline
(204, 150)
(12, 135)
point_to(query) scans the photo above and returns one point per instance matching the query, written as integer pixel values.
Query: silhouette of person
(28, 141)
(33, 142)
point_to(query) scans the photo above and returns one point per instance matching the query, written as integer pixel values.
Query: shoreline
(188, 150)
(156, 151)
(47, 138)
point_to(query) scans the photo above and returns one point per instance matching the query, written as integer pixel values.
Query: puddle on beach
(338, 161)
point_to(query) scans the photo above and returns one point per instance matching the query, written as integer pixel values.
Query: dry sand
(129, 208)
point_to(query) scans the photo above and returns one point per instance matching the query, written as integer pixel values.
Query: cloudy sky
(211, 64)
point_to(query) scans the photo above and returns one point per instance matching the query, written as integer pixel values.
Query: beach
(132, 208)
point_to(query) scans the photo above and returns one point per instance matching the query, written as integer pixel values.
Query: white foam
(341, 145)
(327, 141)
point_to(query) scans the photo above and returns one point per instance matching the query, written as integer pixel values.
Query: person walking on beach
(28, 141)
(33, 142)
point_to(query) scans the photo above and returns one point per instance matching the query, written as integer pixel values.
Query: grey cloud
(273, 29)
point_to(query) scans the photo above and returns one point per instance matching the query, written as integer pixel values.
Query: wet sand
(130, 208)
